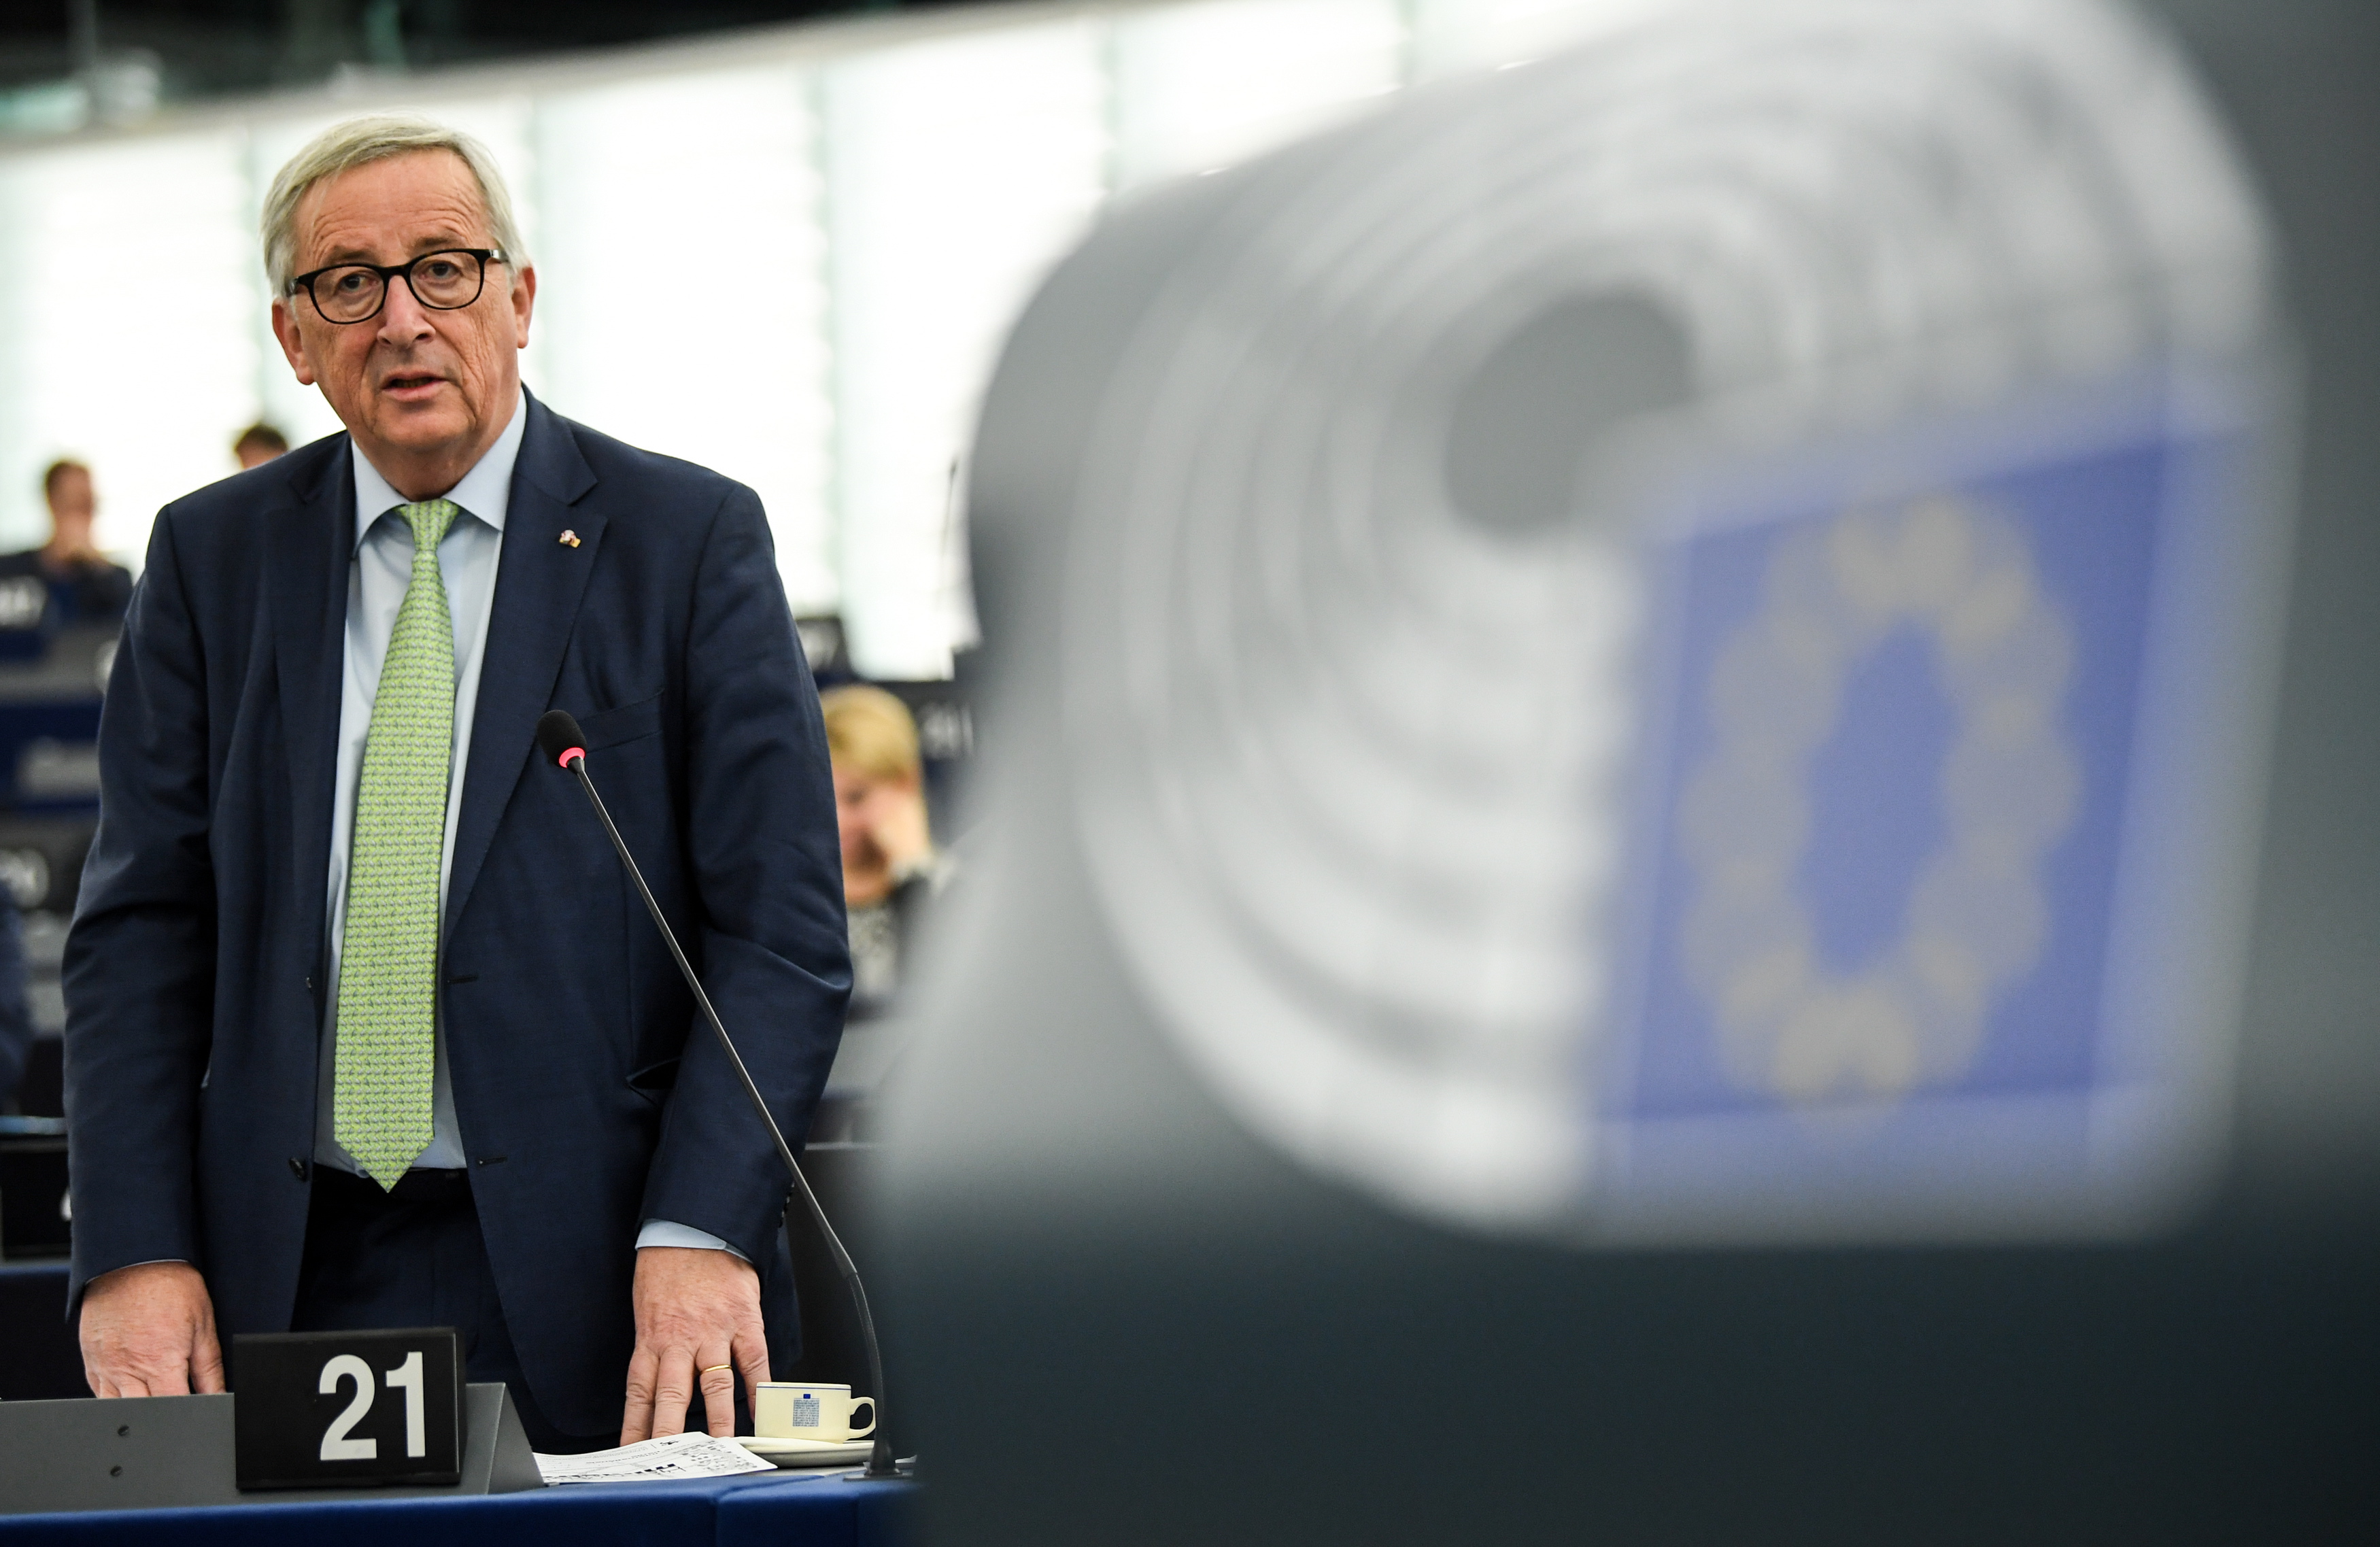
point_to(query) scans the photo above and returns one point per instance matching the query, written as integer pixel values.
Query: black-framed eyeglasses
(445, 281)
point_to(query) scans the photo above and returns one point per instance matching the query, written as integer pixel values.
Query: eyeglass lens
(442, 280)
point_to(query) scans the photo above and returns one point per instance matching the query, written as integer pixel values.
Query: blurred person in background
(891, 871)
(84, 586)
(257, 444)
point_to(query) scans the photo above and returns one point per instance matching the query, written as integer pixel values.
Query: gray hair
(357, 142)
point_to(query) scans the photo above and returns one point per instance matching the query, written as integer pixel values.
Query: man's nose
(402, 315)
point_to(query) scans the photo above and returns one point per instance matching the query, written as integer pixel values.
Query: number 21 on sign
(349, 1410)
(406, 1377)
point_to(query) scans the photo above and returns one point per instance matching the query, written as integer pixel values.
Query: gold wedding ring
(709, 1368)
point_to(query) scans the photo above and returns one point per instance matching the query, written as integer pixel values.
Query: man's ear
(524, 302)
(293, 343)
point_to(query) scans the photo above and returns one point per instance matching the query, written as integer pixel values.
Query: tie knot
(429, 519)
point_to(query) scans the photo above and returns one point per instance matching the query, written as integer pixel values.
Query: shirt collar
(486, 492)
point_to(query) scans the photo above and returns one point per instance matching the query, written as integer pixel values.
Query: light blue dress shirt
(381, 569)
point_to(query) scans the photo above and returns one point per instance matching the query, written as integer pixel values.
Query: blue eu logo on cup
(1925, 827)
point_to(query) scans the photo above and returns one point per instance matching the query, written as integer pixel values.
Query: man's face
(425, 393)
(72, 503)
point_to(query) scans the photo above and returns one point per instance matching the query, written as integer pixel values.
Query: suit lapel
(309, 541)
(539, 583)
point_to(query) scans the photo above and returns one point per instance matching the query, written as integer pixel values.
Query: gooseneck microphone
(558, 737)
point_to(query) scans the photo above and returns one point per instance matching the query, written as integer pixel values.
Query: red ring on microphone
(570, 752)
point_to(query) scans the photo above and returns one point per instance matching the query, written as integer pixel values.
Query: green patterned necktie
(388, 963)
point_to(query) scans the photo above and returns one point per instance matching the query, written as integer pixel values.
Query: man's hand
(697, 1326)
(150, 1331)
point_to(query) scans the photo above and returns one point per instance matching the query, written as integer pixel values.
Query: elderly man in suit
(365, 1027)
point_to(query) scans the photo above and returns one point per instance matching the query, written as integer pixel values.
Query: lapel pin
(570, 537)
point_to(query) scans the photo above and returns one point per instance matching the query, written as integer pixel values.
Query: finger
(673, 1390)
(752, 1361)
(637, 1418)
(165, 1368)
(96, 1375)
(98, 1369)
(718, 1377)
(207, 1363)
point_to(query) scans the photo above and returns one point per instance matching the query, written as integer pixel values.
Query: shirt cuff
(669, 1233)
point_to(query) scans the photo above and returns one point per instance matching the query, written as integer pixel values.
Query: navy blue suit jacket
(590, 1098)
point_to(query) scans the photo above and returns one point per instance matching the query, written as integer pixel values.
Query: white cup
(784, 1410)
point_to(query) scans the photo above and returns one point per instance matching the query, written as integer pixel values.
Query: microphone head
(558, 737)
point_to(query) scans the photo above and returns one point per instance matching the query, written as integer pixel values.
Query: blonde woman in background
(890, 867)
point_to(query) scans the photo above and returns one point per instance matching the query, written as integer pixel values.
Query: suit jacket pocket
(616, 727)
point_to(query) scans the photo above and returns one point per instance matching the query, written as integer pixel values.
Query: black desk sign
(348, 1409)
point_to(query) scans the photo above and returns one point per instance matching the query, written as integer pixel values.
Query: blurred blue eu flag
(1930, 740)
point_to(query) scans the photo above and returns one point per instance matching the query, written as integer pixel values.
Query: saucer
(809, 1452)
